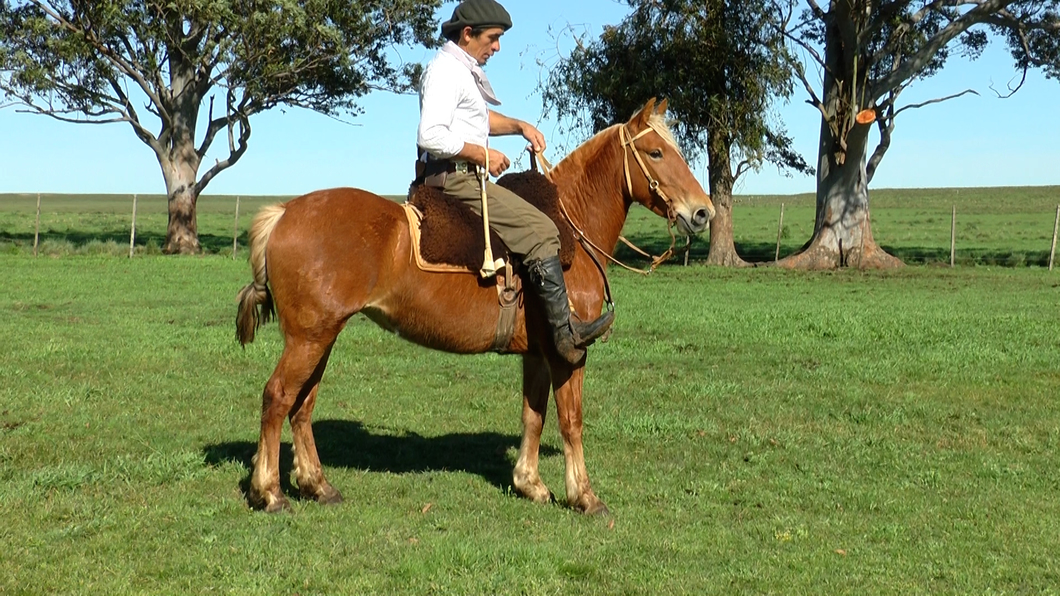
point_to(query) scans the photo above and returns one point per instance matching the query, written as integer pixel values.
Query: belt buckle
(461, 167)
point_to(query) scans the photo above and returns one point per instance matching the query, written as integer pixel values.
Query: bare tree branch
(936, 100)
(34, 109)
(741, 168)
(233, 156)
(118, 61)
(814, 101)
(134, 120)
(1012, 90)
(817, 12)
(926, 52)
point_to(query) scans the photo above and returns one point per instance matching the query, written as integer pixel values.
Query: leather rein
(653, 186)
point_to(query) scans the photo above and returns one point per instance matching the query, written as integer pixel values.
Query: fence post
(132, 232)
(36, 228)
(1052, 249)
(953, 234)
(235, 230)
(780, 228)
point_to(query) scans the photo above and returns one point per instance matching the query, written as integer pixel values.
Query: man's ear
(465, 34)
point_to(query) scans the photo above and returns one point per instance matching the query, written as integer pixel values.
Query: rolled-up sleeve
(438, 102)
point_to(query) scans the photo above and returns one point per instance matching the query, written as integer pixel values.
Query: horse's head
(657, 175)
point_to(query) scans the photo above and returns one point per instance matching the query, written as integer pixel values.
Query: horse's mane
(591, 183)
(662, 128)
(656, 122)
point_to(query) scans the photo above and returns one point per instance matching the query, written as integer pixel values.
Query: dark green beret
(477, 13)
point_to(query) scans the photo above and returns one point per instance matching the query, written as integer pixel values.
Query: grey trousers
(524, 228)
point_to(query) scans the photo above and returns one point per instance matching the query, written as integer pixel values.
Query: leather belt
(432, 171)
(463, 167)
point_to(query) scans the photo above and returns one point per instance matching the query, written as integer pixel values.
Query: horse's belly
(452, 318)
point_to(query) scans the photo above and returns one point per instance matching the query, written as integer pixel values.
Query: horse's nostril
(701, 216)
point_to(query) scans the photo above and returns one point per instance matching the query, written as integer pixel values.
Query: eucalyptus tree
(720, 63)
(868, 52)
(156, 65)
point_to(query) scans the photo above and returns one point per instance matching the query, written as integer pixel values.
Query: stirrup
(585, 334)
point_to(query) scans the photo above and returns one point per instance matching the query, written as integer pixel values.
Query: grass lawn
(752, 431)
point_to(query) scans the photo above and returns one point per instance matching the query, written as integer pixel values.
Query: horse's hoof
(598, 509)
(591, 505)
(329, 496)
(536, 492)
(277, 506)
(267, 501)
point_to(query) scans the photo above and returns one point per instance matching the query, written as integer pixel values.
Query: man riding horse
(452, 139)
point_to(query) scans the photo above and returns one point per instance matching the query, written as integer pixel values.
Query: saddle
(447, 237)
(450, 233)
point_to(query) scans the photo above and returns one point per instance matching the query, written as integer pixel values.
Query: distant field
(995, 226)
(1009, 226)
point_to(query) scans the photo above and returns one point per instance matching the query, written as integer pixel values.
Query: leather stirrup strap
(508, 293)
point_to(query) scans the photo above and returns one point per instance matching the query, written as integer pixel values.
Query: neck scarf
(481, 81)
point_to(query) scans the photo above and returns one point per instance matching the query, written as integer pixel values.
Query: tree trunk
(179, 159)
(843, 227)
(842, 231)
(182, 232)
(722, 249)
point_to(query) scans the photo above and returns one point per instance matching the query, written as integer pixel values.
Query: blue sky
(969, 141)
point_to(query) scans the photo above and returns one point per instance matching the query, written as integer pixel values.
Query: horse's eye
(656, 153)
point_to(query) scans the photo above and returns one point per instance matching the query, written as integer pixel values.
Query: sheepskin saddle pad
(451, 233)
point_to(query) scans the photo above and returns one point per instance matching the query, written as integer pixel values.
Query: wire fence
(1007, 227)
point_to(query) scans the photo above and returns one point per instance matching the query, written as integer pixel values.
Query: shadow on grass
(763, 252)
(210, 243)
(655, 244)
(349, 444)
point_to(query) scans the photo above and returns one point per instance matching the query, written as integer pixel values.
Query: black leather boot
(570, 337)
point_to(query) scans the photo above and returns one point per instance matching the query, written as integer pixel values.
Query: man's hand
(498, 163)
(532, 134)
(476, 154)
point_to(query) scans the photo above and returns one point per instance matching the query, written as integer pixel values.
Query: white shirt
(452, 110)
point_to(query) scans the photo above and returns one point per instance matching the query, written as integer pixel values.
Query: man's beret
(477, 13)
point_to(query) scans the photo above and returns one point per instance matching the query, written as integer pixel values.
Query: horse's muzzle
(696, 222)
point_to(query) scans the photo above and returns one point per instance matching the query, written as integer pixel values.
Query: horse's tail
(255, 300)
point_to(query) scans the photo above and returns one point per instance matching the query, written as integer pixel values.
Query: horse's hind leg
(295, 379)
(536, 386)
(307, 469)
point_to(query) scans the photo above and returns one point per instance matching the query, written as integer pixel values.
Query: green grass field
(752, 431)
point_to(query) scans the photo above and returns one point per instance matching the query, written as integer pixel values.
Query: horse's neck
(592, 185)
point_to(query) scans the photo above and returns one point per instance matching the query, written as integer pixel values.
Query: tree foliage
(153, 63)
(879, 48)
(721, 64)
(868, 52)
(718, 62)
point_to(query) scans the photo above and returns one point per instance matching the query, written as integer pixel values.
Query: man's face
(483, 45)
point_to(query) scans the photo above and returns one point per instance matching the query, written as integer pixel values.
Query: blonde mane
(656, 122)
(662, 128)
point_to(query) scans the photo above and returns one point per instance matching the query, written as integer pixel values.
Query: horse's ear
(661, 108)
(646, 112)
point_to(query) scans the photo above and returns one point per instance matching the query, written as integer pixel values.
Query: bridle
(590, 247)
(653, 184)
(654, 188)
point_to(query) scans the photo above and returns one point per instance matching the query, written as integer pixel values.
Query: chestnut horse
(334, 253)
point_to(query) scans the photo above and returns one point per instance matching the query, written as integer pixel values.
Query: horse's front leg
(536, 386)
(567, 382)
